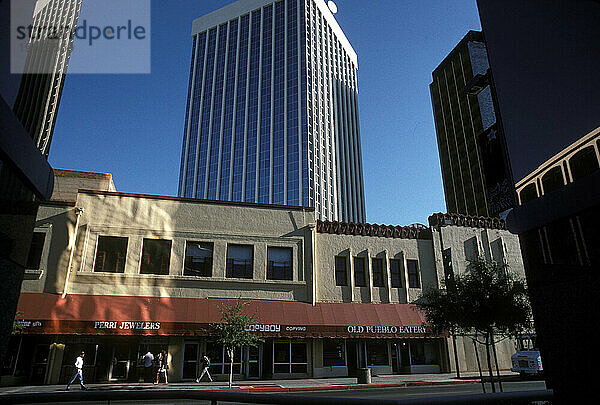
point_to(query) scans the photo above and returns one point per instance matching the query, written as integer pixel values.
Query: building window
(34, 257)
(341, 275)
(110, 254)
(198, 259)
(553, 179)
(396, 273)
(528, 193)
(219, 359)
(377, 353)
(583, 163)
(359, 272)
(156, 256)
(413, 274)
(239, 261)
(377, 270)
(334, 352)
(279, 263)
(289, 357)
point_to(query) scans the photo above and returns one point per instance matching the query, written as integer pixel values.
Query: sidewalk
(308, 384)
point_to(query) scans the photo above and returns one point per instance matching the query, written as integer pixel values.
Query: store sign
(359, 329)
(127, 325)
(263, 328)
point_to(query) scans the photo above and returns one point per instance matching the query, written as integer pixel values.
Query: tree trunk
(489, 360)
(496, 362)
(230, 367)
(479, 365)
(455, 353)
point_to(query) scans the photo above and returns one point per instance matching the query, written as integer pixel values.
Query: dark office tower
(544, 56)
(45, 69)
(473, 170)
(272, 112)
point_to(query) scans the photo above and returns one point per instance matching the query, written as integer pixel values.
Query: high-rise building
(473, 170)
(272, 109)
(37, 101)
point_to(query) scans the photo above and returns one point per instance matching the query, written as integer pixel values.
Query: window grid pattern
(253, 101)
(240, 113)
(279, 104)
(289, 123)
(205, 121)
(265, 108)
(228, 112)
(187, 122)
(215, 131)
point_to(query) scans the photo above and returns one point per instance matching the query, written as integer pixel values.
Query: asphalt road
(413, 392)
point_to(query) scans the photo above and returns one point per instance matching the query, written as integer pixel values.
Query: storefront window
(198, 259)
(377, 353)
(219, 359)
(289, 357)
(334, 352)
(424, 352)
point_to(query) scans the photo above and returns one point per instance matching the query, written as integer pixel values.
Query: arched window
(528, 193)
(583, 163)
(553, 179)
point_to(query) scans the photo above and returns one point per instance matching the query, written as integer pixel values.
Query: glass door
(119, 366)
(252, 362)
(190, 361)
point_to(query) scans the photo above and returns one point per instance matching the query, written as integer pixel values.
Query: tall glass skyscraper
(272, 110)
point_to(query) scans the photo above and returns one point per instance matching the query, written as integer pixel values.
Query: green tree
(232, 331)
(488, 303)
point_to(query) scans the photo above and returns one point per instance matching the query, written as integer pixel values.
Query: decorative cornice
(383, 231)
(441, 219)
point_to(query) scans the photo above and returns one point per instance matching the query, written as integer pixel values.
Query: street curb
(348, 386)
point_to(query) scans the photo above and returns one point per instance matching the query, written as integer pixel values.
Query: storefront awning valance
(127, 315)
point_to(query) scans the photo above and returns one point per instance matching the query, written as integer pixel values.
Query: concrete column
(369, 275)
(351, 267)
(387, 275)
(55, 360)
(175, 358)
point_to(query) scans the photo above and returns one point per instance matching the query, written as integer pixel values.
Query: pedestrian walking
(205, 367)
(78, 372)
(162, 367)
(148, 361)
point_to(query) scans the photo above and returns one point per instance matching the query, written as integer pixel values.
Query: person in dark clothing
(205, 367)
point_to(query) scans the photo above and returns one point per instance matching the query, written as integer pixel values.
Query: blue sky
(132, 125)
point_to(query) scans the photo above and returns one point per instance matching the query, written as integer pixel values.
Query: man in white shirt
(78, 372)
(148, 363)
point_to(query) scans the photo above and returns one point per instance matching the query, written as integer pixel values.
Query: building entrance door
(119, 366)
(190, 361)
(352, 356)
(253, 361)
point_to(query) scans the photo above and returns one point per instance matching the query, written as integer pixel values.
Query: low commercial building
(118, 274)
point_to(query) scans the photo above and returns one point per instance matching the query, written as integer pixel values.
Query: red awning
(122, 315)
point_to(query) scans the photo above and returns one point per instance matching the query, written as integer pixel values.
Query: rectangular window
(377, 269)
(110, 254)
(396, 273)
(35, 250)
(156, 256)
(359, 272)
(198, 259)
(279, 263)
(341, 275)
(240, 259)
(334, 353)
(289, 358)
(377, 353)
(413, 274)
(219, 359)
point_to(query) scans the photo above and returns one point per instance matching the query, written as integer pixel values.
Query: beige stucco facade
(314, 247)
